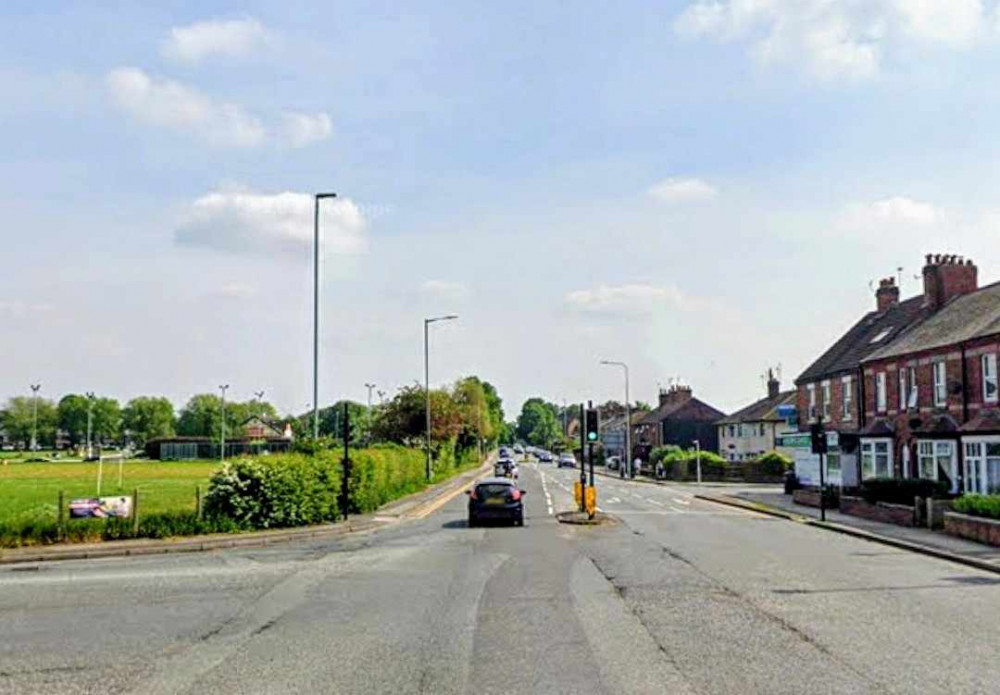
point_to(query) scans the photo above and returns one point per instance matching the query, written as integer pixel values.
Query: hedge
(901, 491)
(978, 505)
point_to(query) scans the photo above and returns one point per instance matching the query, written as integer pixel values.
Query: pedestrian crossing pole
(583, 461)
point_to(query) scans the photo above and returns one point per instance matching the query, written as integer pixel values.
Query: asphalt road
(680, 596)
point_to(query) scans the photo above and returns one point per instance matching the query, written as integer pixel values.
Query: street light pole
(259, 397)
(222, 433)
(628, 416)
(90, 426)
(34, 423)
(368, 415)
(318, 197)
(697, 445)
(427, 385)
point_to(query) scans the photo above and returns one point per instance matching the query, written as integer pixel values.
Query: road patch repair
(577, 518)
(899, 543)
(411, 508)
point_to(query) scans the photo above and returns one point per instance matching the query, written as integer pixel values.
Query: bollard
(197, 501)
(135, 512)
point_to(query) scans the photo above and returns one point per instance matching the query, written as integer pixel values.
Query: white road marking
(680, 501)
(652, 501)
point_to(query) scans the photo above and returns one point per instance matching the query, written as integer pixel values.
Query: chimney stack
(773, 385)
(887, 294)
(675, 394)
(947, 277)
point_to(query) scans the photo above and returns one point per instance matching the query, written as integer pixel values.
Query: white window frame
(941, 452)
(988, 365)
(827, 398)
(977, 464)
(904, 393)
(881, 394)
(847, 396)
(872, 451)
(940, 371)
(913, 398)
(811, 388)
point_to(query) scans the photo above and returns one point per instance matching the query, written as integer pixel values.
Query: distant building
(679, 419)
(757, 429)
(260, 436)
(613, 433)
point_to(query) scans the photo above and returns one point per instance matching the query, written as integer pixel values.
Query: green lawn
(30, 491)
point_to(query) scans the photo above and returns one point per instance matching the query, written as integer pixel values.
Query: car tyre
(472, 522)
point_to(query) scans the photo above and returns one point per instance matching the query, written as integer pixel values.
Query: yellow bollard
(590, 501)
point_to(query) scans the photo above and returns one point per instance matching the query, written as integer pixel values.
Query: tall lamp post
(628, 417)
(259, 397)
(368, 415)
(34, 422)
(222, 430)
(427, 384)
(90, 426)
(318, 197)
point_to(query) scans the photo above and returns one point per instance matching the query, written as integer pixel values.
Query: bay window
(982, 466)
(876, 458)
(936, 461)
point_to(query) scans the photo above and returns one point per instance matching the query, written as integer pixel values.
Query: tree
(642, 405)
(331, 420)
(147, 418)
(72, 414)
(17, 419)
(401, 420)
(107, 420)
(538, 423)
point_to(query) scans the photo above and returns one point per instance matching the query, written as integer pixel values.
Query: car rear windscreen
(488, 490)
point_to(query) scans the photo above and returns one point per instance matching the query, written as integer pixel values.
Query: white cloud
(891, 213)
(843, 39)
(682, 190)
(625, 300)
(301, 129)
(444, 288)
(247, 222)
(175, 106)
(195, 42)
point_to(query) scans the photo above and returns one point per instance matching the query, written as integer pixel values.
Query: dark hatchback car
(496, 499)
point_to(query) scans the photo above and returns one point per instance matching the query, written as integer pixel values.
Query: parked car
(613, 463)
(518, 449)
(496, 499)
(567, 460)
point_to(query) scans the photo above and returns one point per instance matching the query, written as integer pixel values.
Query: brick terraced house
(930, 407)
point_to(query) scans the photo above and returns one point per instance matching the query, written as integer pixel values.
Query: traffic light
(592, 426)
(818, 435)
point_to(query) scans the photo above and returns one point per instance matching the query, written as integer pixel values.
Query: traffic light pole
(590, 450)
(583, 456)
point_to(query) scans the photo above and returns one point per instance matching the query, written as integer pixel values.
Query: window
(902, 390)
(762, 429)
(732, 430)
(811, 388)
(833, 466)
(848, 397)
(982, 466)
(935, 461)
(989, 362)
(826, 400)
(911, 378)
(876, 457)
(881, 335)
(940, 384)
(880, 396)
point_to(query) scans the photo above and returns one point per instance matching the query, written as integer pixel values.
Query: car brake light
(515, 495)
(472, 494)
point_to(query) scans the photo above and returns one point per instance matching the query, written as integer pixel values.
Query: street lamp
(90, 425)
(222, 432)
(259, 397)
(34, 423)
(628, 417)
(427, 384)
(369, 387)
(318, 197)
(697, 445)
(368, 415)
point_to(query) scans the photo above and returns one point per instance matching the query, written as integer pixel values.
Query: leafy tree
(147, 418)
(642, 405)
(331, 420)
(401, 419)
(538, 423)
(17, 419)
(72, 413)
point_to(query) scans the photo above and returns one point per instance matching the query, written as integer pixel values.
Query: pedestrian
(636, 467)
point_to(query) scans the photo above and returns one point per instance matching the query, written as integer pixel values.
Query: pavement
(680, 596)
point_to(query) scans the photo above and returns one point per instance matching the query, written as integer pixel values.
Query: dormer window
(882, 335)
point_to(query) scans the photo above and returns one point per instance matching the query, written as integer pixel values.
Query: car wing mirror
(468, 492)
(524, 492)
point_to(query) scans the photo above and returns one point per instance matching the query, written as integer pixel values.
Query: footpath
(767, 499)
(409, 508)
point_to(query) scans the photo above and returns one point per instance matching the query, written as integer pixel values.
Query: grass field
(30, 491)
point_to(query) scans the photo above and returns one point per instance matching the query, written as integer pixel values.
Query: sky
(701, 189)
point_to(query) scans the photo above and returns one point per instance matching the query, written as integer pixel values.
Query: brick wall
(972, 527)
(898, 514)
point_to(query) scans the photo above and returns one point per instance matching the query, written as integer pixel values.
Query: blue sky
(702, 189)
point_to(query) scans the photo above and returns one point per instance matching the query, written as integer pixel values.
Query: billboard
(100, 507)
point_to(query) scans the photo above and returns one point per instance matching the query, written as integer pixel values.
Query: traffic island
(583, 519)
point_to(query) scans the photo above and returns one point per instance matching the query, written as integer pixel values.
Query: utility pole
(34, 426)
(90, 426)
(427, 385)
(318, 197)
(222, 433)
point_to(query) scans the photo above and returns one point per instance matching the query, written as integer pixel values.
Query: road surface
(681, 596)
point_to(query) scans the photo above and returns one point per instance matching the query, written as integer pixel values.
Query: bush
(275, 491)
(773, 463)
(901, 491)
(987, 506)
